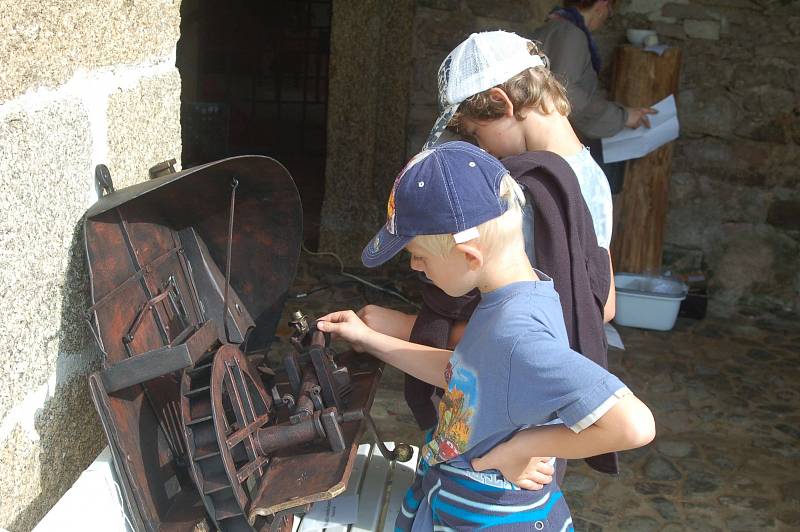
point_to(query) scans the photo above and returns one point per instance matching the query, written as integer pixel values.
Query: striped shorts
(446, 498)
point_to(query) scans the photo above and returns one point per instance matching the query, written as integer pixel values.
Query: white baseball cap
(483, 61)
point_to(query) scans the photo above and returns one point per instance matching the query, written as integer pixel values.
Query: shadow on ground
(725, 394)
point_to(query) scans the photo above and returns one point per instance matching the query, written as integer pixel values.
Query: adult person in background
(567, 41)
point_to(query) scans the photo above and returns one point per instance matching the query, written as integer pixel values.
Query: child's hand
(388, 321)
(346, 325)
(528, 473)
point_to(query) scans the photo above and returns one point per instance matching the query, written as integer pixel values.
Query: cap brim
(383, 247)
(439, 126)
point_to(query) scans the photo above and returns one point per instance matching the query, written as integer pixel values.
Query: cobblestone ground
(726, 398)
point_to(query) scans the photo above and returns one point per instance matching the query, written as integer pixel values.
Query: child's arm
(398, 324)
(610, 308)
(425, 363)
(626, 425)
(388, 321)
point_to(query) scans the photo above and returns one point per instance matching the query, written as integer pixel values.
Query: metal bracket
(161, 169)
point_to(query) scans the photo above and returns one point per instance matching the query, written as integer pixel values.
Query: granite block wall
(81, 83)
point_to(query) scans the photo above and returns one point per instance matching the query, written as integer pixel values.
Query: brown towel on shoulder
(566, 249)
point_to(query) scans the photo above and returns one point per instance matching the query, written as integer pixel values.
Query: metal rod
(402, 452)
(234, 186)
(136, 276)
(126, 236)
(170, 437)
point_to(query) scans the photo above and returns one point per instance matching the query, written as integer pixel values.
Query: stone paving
(725, 395)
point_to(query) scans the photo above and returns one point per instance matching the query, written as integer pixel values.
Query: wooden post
(640, 80)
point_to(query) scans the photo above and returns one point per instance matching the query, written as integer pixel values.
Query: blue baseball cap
(449, 189)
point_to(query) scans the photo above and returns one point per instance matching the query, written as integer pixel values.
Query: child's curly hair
(535, 88)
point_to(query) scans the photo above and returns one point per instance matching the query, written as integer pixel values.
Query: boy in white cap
(495, 88)
(458, 212)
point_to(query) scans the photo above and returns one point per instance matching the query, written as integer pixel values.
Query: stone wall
(734, 199)
(81, 83)
(367, 109)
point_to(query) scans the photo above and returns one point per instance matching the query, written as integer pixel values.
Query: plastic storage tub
(648, 302)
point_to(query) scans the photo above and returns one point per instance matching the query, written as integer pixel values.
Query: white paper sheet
(635, 143)
(657, 49)
(612, 337)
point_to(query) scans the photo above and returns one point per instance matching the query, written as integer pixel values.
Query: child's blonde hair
(494, 234)
(533, 88)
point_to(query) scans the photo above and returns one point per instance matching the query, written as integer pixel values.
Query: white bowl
(637, 36)
(648, 302)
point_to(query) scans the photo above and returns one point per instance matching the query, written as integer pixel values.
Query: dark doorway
(255, 81)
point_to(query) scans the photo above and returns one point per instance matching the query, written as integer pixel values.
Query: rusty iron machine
(189, 274)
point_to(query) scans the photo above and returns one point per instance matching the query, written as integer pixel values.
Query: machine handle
(314, 330)
(102, 180)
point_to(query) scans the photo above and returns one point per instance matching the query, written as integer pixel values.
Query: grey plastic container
(648, 301)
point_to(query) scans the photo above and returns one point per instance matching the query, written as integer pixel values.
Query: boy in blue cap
(458, 212)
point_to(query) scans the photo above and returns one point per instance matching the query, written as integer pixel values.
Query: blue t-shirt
(513, 369)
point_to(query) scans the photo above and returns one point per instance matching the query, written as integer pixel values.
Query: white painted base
(93, 503)
(379, 487)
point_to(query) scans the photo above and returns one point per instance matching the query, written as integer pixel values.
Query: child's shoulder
(542, 172)
(544, 345)
(537, 163)
(521, 293)
(531, 307)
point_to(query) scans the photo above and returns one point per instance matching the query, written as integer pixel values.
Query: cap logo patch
(391, 219)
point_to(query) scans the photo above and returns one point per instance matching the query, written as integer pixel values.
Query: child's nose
(415, 265)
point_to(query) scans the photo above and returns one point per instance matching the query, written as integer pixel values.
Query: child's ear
(499, 95)
(472, 254)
